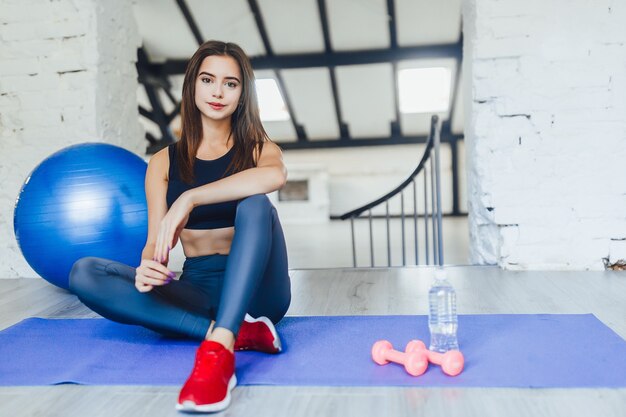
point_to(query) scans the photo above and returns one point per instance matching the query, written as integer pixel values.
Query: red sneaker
(258, 334)
(212, 379)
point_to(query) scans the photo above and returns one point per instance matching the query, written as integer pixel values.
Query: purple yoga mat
(500, 351)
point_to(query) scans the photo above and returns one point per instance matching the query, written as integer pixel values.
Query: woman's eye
(231, 84)
(206, 80)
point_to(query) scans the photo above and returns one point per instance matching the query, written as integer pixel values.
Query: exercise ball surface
(84, 200)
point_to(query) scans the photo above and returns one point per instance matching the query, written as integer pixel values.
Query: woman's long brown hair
(247, 130)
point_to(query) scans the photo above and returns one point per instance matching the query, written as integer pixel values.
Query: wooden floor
(354, 292)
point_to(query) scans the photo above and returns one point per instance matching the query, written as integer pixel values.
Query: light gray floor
(355, 292)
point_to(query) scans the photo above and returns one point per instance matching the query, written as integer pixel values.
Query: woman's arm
(269, 175)
(156, 189)
(150, 272)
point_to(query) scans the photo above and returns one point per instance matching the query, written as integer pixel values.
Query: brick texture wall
(67, 75)
(545, 126)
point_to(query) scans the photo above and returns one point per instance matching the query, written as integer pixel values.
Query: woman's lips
(216, 106)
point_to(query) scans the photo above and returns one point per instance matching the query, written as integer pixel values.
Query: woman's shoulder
(160, 162)
(267, 148)
(162, 156)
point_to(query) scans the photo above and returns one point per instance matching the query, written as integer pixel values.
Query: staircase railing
(432, 220)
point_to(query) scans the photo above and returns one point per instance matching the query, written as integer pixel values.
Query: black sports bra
(209, 216)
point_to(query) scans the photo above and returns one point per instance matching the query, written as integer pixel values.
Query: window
(424, 90)
(271, 103)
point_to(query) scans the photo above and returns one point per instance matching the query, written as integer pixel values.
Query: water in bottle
(442, 318)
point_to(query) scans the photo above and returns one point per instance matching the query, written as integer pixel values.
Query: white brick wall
(546, 132)
(67, 75)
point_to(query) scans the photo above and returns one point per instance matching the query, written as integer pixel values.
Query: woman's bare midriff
(207, 242)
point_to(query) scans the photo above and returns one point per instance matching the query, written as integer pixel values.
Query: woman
(208, 190)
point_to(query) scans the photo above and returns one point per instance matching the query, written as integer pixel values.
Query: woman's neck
(215, 132)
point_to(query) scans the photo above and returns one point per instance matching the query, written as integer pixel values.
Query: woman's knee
(82, 273)
(254, 204)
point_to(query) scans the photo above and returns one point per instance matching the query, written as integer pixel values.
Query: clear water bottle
(442, 318)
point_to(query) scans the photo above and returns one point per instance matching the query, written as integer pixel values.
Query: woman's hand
(171, 226)
(151, 273)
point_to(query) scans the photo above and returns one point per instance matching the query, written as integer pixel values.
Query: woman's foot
(258, 334)
(212, 379)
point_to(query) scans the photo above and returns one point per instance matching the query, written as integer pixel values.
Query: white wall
(546, 132)
(67, 76)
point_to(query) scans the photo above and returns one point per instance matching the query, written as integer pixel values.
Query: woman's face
(218, 87)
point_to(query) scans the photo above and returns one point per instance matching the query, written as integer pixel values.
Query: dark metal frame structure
(155, 76)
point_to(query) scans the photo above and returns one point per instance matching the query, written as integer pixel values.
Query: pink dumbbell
(414, 358)
(451, 362)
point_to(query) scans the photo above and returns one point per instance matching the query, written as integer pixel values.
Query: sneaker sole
(277, 344)
(190, 406)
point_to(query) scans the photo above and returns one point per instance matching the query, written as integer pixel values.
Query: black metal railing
(431, 215)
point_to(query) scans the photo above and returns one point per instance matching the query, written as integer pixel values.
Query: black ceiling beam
(391, 16)
(393, 43)
(146, 78)
(382, 141)
(343, 127)
(455, 89)
(256, 11)
(321, 7)
(169, 94)
(163, 83)
(149, 81)
(300, 133)
(174, 113)
(336, 58)
(374, 56)
(157, 114)
(152, 141)
(190, 21)
(146, 113)
(395, 125)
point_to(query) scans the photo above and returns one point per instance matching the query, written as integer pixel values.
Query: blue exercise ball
(84, 200)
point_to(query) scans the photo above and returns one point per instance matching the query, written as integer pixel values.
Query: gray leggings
(252, 279)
